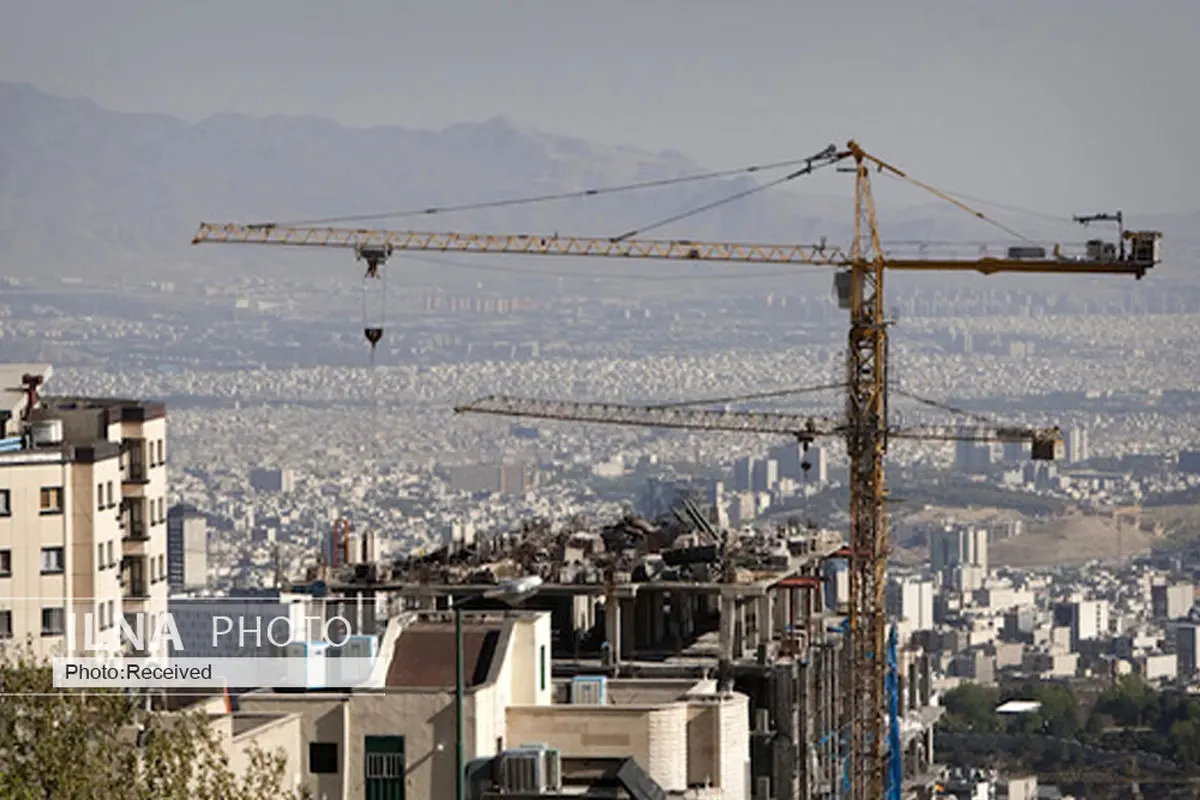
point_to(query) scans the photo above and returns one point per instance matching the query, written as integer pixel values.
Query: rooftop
(120, 409)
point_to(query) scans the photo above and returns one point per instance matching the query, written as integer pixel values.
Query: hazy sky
(1064, 105)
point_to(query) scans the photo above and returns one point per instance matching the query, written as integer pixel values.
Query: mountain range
(94, 193)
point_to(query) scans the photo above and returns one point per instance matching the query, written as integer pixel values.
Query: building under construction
(764, 613)
(756, 598)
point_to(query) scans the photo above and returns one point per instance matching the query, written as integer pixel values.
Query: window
(100, 564)
(323, 758)
(5, 563)
(6, 631)
(5, 503)
(100, 617)
(137, 526)
(52, 621)
(112, 562)
(111, 501)
(99, 496)
(542, 666)
(162, 459)
(162, 568)
(134, 463)
(52, 500)
(53, 560)
(385, 766)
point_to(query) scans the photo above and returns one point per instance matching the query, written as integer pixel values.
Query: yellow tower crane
(859, 283)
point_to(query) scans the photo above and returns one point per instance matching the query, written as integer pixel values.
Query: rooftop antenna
(30, 385)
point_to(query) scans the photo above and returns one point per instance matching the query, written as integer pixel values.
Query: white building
(1172, 601)
(272, 480)
(1087, 620)
(803, 466)
(187, 549)
(959, 545)
(83, 485)
(1076, 442)
(911, 601)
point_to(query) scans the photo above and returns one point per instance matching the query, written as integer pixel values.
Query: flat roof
(1018, 707)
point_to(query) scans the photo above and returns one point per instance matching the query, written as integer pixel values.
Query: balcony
(133, 461)
(134, 473)
(136, 532)
(133, 578)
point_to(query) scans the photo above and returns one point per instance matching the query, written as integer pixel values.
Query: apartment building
(187, 549)
(83, 485)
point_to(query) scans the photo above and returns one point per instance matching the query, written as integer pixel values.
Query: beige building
(83, 485)
(396, 738)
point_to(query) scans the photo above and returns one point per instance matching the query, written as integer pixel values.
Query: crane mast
(860, 283)
(866, 444)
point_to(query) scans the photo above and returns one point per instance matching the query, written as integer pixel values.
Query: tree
(78, 745)
(1059, 713)
(971, 707)
(1131, 702)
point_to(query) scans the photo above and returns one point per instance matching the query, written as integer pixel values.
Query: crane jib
(379, 244)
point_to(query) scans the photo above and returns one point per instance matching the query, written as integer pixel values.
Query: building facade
(82, 518)
(187, 549)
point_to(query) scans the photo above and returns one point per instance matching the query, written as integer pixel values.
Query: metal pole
(460, 789)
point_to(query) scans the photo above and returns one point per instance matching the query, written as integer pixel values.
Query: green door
(384, 767)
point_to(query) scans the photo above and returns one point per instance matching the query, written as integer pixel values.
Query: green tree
(1131, 702)
(971, 707)
(1059, 714)
(83, 745)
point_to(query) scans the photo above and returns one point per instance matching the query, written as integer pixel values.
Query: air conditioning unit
(553, 762)
(533, 769)
(522, 771)
(360, 647)
(589, 690)
(361, 650)
(305, 667)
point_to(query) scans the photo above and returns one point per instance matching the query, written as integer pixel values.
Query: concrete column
(629, 623)
(740, 632)
(728, 625)
(658, 618)
(612, 628)
(765, 619)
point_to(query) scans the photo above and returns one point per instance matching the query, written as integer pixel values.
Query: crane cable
(830, 155)
(888, 169)
(753, 396)
(944, 407)
(551, 197)
(794, 390)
